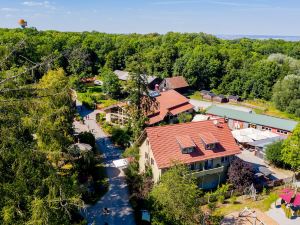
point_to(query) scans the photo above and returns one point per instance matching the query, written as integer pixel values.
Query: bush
(287, 211)
(221, 198)
(240, 174)
(184, 118)
(233, 199)
(132, 151)
(212, 206)
(107, 128)
(87, 138)
(274, 155)
(120, 136)
(100, 118)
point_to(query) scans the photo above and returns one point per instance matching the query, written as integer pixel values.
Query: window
(146, 155)
(252, 126)
(208, 164)
(282, 131)
(267, 128)
(187, 150)
(222, 159)
(152, 161)
(211, 146)
(192, 166)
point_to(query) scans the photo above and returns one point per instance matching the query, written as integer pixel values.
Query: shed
(220, 98)
(209, 96)
(234, 98)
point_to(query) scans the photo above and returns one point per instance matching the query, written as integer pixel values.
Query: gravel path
(117, 197)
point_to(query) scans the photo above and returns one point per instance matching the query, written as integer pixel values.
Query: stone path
(117, 197)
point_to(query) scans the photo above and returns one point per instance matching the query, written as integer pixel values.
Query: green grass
(268, 108)
(94, 94)
(263, 204)
(196, 95)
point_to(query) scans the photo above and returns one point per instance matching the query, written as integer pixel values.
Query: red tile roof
(185, 141)
(176, 82)
(208, 138)
(166, 150)
(169, 102)
(181, 109)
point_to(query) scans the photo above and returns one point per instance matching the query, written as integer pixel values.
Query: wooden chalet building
(177, 83)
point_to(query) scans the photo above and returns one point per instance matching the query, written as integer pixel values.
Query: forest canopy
(249, 68)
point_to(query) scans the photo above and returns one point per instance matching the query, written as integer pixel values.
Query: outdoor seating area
(290, 202)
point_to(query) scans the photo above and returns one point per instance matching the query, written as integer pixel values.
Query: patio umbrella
(297, 200)
(286, 190)
(287, 197)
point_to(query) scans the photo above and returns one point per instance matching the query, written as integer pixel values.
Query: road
(117, 197)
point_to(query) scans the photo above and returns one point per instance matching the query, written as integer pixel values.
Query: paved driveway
(255, 161)
(117, 197)
(278, 215)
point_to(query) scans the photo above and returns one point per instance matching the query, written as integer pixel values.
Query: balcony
(207, 172)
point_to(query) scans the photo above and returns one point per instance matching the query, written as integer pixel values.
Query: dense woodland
(249, 68)
(36, 111)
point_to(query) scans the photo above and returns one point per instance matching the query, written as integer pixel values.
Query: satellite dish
(22, 23)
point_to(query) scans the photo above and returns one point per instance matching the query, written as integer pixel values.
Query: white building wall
(147, 159)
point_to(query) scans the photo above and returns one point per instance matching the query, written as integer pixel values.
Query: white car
(98, 82)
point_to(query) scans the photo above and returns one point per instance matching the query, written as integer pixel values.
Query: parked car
(98, 82)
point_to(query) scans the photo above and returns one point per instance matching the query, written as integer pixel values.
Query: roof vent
(216, 122)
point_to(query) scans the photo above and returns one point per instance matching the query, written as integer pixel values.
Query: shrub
(107, 128)
(132, 151)
(184, 118)
(233, 199)
(273, 153)
(287, 211)
(240, 174)
(120, 136)
(88, 138)
(221, 198)
(212, 206)
(100, 118)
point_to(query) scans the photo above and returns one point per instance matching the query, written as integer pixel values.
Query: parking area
(248, 156)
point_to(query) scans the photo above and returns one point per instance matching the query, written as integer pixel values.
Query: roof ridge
(176, 124)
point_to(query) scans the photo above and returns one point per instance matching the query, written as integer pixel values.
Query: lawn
(196, 95)
(268, 108)
(94, 94)
(263, 204)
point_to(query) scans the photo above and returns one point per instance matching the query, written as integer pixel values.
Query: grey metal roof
(267, 141)
(254, 118)
(124, 75)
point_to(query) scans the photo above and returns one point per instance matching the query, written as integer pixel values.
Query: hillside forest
(253, 69)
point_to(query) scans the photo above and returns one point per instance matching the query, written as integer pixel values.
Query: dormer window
(186, 144)
(211, 146)
(209, 141)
